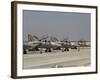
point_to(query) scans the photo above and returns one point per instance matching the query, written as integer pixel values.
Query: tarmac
(57, 59)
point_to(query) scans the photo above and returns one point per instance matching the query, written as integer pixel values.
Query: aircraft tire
(46, 50)
(25, 52)
(67, 49)
(49, 50)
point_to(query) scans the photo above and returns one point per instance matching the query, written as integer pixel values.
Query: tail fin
(32, 38)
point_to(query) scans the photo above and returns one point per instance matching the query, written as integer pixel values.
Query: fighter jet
(49, 43)
(31, 44)
(36, 44)
(67, 44)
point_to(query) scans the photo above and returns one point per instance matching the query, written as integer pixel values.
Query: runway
(57, 59)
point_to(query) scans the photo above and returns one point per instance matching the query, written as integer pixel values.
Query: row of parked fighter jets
(48, 46)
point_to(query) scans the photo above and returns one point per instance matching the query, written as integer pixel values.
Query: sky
(71, 25)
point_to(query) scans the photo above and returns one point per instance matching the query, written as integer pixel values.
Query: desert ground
(57, 59)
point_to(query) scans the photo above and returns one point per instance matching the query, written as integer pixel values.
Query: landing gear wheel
(49, 50)
(67, 49)
(46, 50)
(25, 52)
